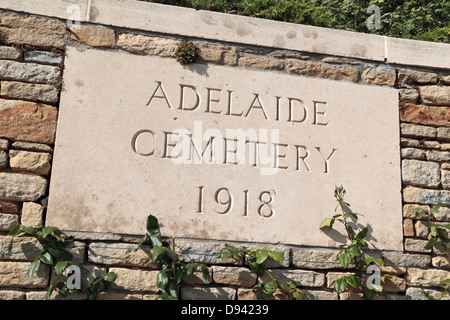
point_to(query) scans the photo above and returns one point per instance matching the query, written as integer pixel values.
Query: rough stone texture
(379, 75)
(27, 121)
(32, 214)
(8, 207)
(417, 131)
(4, 144)
(134, 280)
(417, 294)
(124, 254)
(421, 228)
(10, 53)
(140, 44)
(445, 176)
(21, 187)
(435, 95)
(208, 293)
(11, 295)
(408, 95)
(406, 142)
(213, 53)
(445, 79)
(427, 115)
(3, 159)
(304, 278)
(308, 258)
(416, 245)
(14, 274)
(443, 134)
(8, 221)
(425, 196)
(35, 162)
(408, 77)
(28, 248)
(322, 70)
(434, 155)
(408, 228)
(426, 277)
(440, 261)
(261, 63)
(406, 260)
(443, 214)
(29, 91)
(30, 72)
(413, 153)
(94, 36)
(234, 276)
(421, 173)
(38, 147)
(36, 31)
(42, 57)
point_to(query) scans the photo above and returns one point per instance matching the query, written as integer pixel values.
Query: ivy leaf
(34, 266)
(46, 257)
(61, 266)
(344, 259)
(340, 285)
(154, 231)
(270, 287)
(327, 223)
(162, 280)
(362, 234)
(261, 256)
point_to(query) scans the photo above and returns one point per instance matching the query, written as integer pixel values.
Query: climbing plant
(256, 260)
(351, 253)
(54, 253)
(173, 271)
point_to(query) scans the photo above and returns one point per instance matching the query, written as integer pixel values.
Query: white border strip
(133, 14)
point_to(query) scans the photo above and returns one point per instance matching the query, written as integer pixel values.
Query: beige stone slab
(128, 125)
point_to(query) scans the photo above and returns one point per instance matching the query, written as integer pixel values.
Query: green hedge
(412, 19)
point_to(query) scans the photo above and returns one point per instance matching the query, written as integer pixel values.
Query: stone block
(242, 277)
(261, 63)
(29, 72)
(379, 75)
(421, 173)
(33, 30)
(426, 277)
(146, 45)
(36, 162)
(29, 91)
(426, 115)
(21, 186)
(14, 274)
(322, 70)
(417, 131)
(94, 36)
(134, 280)
(27, 121)
(42, 57)
(32, 214)
(435, 95)
(208, 293)
(119, 254)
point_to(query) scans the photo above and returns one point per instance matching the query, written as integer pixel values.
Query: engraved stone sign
(219, 152)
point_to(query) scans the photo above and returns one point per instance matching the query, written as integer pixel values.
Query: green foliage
(54, 254)
(173, 270)
(351, 253)
(427, 20)
(186, 52)
(438, 233)
(256, 260)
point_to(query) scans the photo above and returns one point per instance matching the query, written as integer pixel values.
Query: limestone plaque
(219, 152)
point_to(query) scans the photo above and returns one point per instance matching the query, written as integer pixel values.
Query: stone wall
(32, 52)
